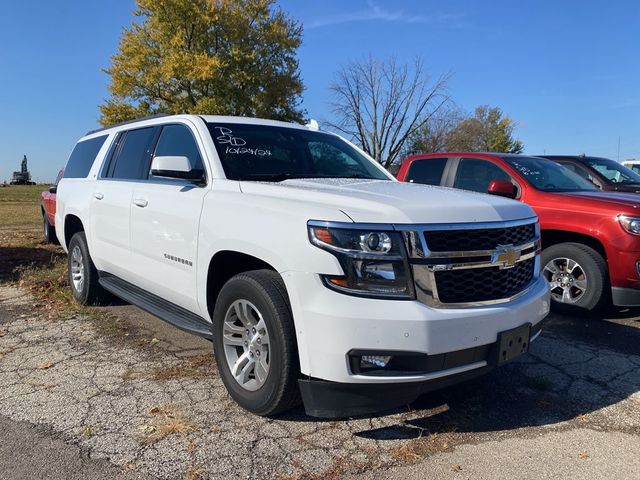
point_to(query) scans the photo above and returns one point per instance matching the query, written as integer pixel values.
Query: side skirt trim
(159, 307)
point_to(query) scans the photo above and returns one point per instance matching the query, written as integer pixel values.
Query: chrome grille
(467, 265)
(482, 284)
(485, 239)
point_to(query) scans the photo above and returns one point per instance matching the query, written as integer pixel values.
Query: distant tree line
(240, 58)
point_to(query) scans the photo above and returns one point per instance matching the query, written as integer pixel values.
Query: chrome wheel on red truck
(577, 276)
(567, 280)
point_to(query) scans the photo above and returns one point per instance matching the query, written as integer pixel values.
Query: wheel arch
(552, 237)
(224, 265)
(72, 225)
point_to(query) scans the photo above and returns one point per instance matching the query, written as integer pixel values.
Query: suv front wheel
(254, 343)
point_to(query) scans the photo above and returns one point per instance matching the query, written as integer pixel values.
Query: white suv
(317, 275)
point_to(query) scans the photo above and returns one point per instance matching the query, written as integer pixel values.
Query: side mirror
(503, 188)
(53, 189)
(175, 167)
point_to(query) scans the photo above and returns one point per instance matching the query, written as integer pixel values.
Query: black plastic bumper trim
(625, 297)
(325, 399)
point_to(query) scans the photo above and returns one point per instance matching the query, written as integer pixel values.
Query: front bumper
(329, 325)
(325, 399)
(625, 297)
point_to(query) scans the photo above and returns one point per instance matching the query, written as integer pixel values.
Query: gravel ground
(130, 393)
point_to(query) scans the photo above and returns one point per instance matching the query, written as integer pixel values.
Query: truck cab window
(428, 172)
(476, 174)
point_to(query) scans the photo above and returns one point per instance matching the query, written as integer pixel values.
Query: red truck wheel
(577, 277)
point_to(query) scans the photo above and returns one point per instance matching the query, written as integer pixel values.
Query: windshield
(612, 171)
(548, 176)
(274, 154)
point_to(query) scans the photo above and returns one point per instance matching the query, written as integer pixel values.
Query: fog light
(638, 267)
(380, 361)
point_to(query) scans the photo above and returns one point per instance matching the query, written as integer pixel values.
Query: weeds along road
(111, 392)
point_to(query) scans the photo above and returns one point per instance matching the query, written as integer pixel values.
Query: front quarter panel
(273, 230)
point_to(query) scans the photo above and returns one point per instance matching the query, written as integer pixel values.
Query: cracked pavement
(143, 399)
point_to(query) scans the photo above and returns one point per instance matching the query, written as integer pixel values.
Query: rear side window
(133, 154)
(82, 157)
(476, 174)
(428, 172)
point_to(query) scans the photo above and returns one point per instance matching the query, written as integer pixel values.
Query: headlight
(630, 224)
(374, 262)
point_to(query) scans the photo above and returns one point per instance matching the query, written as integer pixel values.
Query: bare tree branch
(380, 104)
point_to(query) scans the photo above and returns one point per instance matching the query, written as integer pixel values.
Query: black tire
(90, 292)
(49, 232)
(597, 294)
(266, 291)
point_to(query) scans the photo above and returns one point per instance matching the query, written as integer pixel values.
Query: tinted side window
(428, 171)
(134, 154)
(177, 140)
(475, 174)
(580, 171)
(82, 157)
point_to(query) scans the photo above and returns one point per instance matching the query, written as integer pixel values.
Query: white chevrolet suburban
(316, 274)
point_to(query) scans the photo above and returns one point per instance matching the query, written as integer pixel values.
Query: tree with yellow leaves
(225, 57)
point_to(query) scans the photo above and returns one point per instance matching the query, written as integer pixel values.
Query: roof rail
(119, 124)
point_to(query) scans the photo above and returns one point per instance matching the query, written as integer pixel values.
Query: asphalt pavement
(120, 394)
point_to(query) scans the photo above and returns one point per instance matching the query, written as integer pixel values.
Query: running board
(159, 307)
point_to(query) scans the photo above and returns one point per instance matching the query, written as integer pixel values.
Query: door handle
(98, 196)
(140, 202)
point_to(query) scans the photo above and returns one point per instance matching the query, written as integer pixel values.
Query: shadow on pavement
(577, 367)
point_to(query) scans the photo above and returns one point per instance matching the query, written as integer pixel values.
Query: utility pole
(618, 149)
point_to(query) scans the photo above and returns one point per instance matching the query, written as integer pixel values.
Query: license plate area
(511, 344)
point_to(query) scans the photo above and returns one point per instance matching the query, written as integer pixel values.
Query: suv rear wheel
(254, 342)
(577, 277)
(83, 276)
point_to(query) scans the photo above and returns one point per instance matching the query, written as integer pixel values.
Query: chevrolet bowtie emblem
(505, 255)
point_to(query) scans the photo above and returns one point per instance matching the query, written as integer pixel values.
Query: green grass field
(20, 206)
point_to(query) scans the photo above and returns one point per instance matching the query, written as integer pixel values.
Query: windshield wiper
(280, 177)
(275, 177)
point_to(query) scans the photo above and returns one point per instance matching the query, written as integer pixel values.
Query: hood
(620, 202)
(380, 201)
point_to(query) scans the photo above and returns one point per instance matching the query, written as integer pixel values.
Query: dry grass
(20, 205)
(419, 448)
(40, 268)
(197, 367)
(166, 422)
(88, 431)
(193, 473)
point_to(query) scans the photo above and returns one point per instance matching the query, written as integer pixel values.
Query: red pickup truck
(48, 209)
(590, 239)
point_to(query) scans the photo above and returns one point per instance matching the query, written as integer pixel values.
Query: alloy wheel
(77, 269)
(246, 344)
(567, 280)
